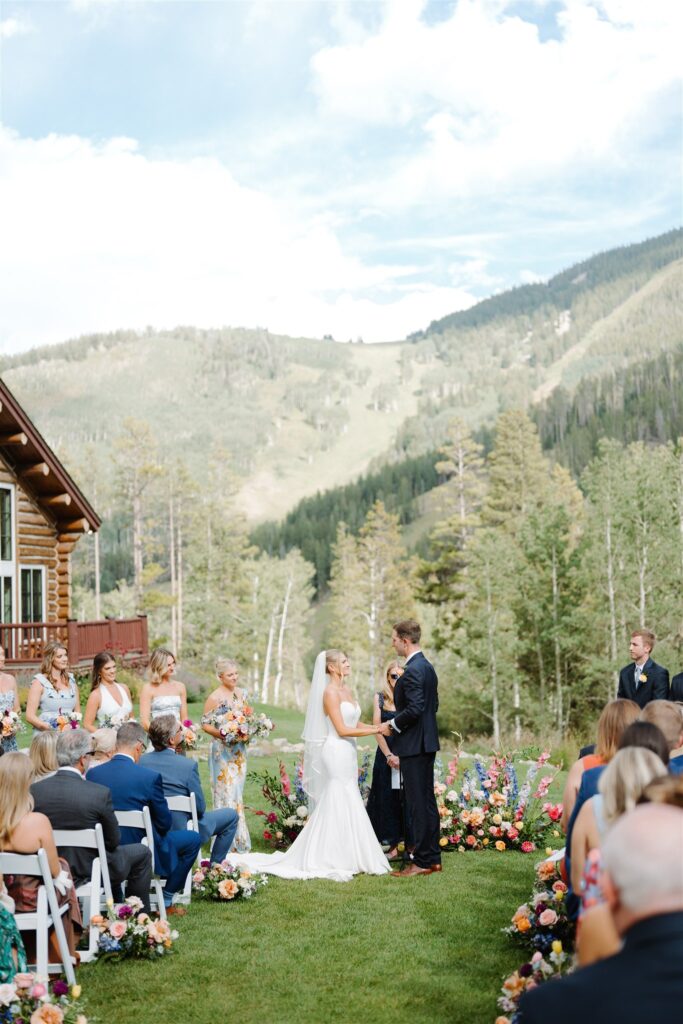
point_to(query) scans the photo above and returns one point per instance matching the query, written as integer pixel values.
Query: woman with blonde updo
(162, 694)
(338, 840)
(227, 761)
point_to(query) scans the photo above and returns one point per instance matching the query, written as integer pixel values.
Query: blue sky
(321, 167)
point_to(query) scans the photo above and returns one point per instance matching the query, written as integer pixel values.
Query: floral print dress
(228, 772)
(8, 743)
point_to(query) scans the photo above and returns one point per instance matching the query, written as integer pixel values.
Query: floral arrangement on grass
(66, 720)
(543, 919)
(289, 802)
(30, 998)
(240, 724)
(225, 882)
(126, 932)
(538, 970)
(490, 810)
(11, 724)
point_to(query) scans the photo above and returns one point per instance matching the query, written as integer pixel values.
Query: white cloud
(10, 27)
(487, 105)
(97, 237)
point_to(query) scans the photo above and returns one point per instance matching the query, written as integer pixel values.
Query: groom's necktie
(638, 671)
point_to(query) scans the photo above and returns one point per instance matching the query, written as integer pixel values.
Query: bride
(338, 840)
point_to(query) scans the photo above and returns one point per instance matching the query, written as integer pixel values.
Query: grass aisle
(373, 950)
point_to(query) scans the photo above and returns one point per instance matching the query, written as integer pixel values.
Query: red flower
(267, 835)
(527, 847)
(272, 817)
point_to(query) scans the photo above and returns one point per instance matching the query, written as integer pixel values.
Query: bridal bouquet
(126, 932)
(225, 882)
(241, 724)
(190, 734)
(66, 720)
(28, 997)
(11, 724)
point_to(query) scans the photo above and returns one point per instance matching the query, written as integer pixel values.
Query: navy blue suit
(180, 777)
(642, 982)
(132, 787)
(655, 687)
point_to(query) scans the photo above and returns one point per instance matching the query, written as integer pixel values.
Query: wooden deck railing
(24, 642)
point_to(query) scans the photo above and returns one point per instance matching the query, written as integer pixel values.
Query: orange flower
(47, 1014)
(500, 845)
(228, 889)
(514, 985)
(521, 923)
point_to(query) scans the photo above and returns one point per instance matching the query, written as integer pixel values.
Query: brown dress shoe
(177, 910)
(436, 867)
(412, 869)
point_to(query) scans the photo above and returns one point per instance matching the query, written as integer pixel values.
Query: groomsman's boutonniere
(643, 678)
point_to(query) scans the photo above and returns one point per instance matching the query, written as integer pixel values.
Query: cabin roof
(40, 472)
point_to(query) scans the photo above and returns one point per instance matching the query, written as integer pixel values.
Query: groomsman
(643, 680)
(677, 688)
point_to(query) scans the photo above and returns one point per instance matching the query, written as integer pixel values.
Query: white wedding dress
(338, 840)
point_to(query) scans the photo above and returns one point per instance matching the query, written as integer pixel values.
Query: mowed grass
(424, 950)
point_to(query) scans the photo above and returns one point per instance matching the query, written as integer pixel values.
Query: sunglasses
(394, 676)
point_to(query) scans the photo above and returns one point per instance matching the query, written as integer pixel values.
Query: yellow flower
(557, 946)
(497, 819)
(558, 896)
(75, 991)
(500, 845)
(443, 841)
(548, 850)
(643, 677)
(485, 842)
(555, 833)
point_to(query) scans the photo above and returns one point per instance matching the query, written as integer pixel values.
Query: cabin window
(32, 593)
(7, 562)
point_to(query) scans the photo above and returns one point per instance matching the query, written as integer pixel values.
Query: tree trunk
(269, 650)
(493, 665)
(612, 607)
(137, 546)
(179, 583)
(281, 643)
(174, 582)
(556, 644)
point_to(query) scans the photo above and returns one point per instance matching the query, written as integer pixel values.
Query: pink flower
(513, 833)
(37, 990)
(536, 957)
(559, 887)
(117, 929)
(527, 847)
(284, 779)
(547, 918)
(272, 817)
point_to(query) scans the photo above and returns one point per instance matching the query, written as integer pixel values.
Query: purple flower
(124, 911)
(60, 988)
(525, 971)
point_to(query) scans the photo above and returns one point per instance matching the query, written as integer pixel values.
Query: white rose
(302, 811)
(452, 796)
(292, 798)
(8, 994)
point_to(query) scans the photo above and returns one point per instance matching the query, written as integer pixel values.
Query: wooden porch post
(72, 640)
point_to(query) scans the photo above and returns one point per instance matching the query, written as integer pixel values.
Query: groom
(416, 743)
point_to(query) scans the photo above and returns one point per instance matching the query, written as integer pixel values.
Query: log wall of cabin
(39, 543)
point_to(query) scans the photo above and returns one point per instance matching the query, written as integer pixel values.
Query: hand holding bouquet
(67, 720)
(11, 724)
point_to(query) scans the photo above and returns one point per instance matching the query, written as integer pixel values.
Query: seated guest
(103, 746)
(134, 787)
(24, 831)
(665, 790)
(615, 717)
(621, 786)
(643, 680)
(43, 754)
(180, 777)
(637, 734)
(643, 853)
(667, 717)
(72, 802)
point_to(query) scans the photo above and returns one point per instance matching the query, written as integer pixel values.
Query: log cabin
(43, 514)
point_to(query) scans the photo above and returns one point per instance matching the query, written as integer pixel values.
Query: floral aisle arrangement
(190, 734)
(11, 724)
(29, 998)
(225, 882)
(543, 926)
(490, 810)
(241, 724)
(289, 803)
(126, 932)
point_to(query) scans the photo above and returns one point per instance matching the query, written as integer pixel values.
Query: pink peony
(117, 929)
(547, 918)
(528, 847)
(37, 990)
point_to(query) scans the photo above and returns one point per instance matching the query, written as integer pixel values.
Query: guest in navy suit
(676, 692)
(132, 787)
(180, 777)
(643, 680)
(643, 882)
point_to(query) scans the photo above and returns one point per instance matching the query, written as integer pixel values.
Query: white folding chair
(48, 914)
(188, 804)
(142, 819)
(89, 893)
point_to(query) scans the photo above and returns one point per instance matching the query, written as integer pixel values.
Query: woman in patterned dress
(9, 701)
(227, 761)
(53, 691)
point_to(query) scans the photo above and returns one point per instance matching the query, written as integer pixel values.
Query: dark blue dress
(384, 803)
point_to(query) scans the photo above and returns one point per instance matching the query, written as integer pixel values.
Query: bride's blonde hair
(333, 657)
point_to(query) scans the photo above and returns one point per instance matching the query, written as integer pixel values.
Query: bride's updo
(333, 658)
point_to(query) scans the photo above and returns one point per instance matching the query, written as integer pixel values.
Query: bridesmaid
(227, 761)
(109, 702)
(384, 803)
(53, 691)
(9, 701)
(162, 695)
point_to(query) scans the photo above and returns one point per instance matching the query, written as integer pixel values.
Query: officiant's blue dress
(384, 803)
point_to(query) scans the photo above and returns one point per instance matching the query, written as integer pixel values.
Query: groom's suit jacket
(416, 699)
(655, 687)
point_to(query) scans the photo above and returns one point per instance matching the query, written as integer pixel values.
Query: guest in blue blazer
(180, 777)
(132, 787)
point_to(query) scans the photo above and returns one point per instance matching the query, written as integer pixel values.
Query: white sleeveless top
(109, 712)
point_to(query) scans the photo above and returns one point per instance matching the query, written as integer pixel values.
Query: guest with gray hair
(180, 777)
(134, 787)
(643, 881)
(71, 801)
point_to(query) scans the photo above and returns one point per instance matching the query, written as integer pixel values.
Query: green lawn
(426, 949)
